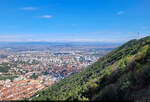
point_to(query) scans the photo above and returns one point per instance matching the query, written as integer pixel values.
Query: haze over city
(75, 50)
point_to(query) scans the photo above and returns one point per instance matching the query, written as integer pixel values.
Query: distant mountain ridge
(60, 43)
(47, 45)
(123, 74)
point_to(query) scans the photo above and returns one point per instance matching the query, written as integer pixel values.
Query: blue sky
(74, 20)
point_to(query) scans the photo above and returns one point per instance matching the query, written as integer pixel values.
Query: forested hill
(122, 74)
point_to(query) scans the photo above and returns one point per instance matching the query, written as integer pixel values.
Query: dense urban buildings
(27, 70)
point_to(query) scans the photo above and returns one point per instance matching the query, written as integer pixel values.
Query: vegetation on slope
(120, 75)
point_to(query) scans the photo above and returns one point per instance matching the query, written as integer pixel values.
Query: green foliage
(108, 71)
(7, 77)
(34, 76)
(113, 77)
(4, 67)
(108, 93)
(126, 84)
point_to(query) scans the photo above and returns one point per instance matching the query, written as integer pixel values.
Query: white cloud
(46, 16)
(120, 12)
(29, 8)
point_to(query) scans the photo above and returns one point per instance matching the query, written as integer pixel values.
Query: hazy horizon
(73, 20)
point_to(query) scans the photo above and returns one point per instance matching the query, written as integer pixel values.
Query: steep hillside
(122, 74)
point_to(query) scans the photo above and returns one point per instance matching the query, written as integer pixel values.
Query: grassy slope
(118, 75)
